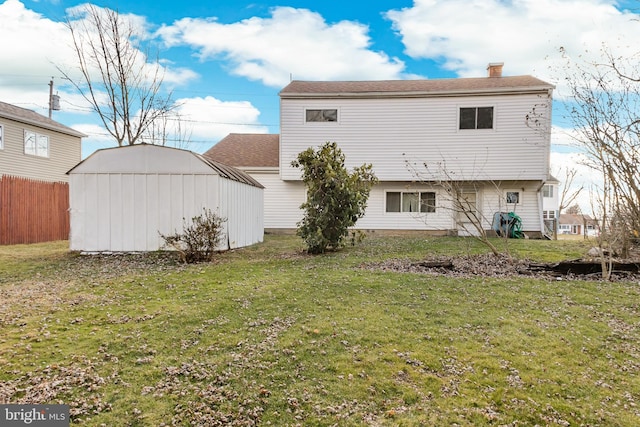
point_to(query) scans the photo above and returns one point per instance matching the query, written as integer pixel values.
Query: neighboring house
(491, 136)
(34, 146)
(577, 224)
(123, 198)
(35, 154)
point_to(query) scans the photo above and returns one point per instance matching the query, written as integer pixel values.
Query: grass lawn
(270, 336)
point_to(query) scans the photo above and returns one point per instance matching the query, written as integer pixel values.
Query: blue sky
(226, 60)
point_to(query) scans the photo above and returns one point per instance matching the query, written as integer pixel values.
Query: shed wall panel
(140, 205)
(104, 209)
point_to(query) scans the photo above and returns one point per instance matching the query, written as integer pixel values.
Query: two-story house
(486, 139)
(35, 155)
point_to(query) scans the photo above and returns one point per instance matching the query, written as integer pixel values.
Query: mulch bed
(489, 265)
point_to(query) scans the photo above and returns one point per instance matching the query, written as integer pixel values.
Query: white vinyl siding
(400, 134)
(282, 200)
(1, 137)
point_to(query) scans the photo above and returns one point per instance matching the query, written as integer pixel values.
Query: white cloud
(210, 119)
(525, 34)
(28, 65)
(33, 49)
(292, 42)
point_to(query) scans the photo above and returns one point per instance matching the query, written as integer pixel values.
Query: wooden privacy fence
(33, 211)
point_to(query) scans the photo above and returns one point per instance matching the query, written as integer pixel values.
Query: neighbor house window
(513, 197)
(476, 118)
(424, 201)
(330, 115)
(547, 191)
(1, 137)
(36, 144)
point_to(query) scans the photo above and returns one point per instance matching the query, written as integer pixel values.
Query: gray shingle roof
(432, 87)
(23, 115)
(247, 150)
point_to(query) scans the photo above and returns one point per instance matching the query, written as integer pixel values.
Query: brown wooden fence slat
(33, 211)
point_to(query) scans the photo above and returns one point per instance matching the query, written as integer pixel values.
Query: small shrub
(200, 239)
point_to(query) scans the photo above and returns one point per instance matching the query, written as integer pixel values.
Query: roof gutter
(56, 126)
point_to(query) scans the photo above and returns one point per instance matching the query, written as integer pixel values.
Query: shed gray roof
(147, 158)
(247, 150)
(22, 115)
(431, 87)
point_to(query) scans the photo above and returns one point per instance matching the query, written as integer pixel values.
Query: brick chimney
(495, 69)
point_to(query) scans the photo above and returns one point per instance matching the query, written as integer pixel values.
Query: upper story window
(411, 201)
(1, 137)
(36, 144)
(547, 191)
(476, 118)
(330, 115)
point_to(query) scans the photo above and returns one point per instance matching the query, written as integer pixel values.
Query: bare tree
(459, 196)
(574, 209)
(569, 193)
(117, 80)
(606, 116)
(168, 129)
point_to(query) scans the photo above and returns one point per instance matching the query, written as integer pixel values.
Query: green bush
(336, 199)
(200, 239)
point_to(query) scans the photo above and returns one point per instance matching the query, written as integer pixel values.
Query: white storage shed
(122, 198)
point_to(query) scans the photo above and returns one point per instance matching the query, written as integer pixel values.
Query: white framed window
(1, 137)
(547, 190)
(548, 214)
(36, 144)
(513, 197)
(414, 201)
(321, 115)
(476, 118)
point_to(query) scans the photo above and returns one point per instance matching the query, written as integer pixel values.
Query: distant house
(490, 135)
(123, 198)
(35, 154)
(577, 224)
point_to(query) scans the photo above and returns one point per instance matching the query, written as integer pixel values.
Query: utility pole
(54, 100)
